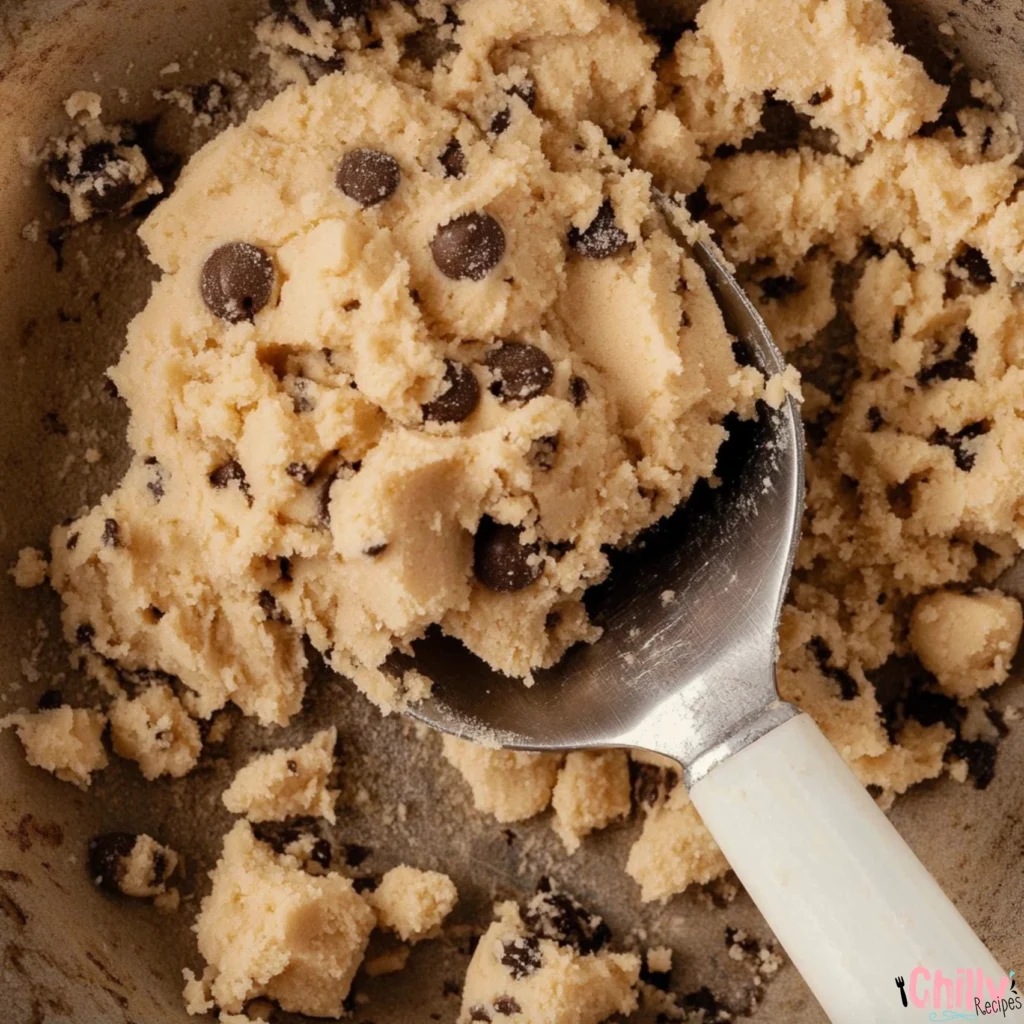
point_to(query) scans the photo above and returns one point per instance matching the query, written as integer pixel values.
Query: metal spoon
(686, 668)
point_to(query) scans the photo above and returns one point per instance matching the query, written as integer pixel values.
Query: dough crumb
(413, 903)
(510, 784)
(287, 783)
(84, 106)
(135, 866)
(674, 849)
(592, 791)
(548, 965)
(247, 928)
(30, 569)
(966, 640)
(155, 730)
(66, 741)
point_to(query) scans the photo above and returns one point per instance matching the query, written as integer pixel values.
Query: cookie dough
(548, 965)
(420, 353)
(592, 791)
(30, 569)
(510, 784)
(260, 900)
(155, 730)
(966, 640)
(64, 740)
(402, 396)
(413, 903)
(135, 866)
(287, 783)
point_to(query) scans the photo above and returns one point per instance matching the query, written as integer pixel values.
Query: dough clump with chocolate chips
(370, 394)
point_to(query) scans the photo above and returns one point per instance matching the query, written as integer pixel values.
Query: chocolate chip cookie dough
(369, 395)
(420, 354)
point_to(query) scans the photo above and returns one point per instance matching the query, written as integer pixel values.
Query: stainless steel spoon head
(686, 663)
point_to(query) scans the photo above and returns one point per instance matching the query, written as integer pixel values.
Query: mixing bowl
(70, 954)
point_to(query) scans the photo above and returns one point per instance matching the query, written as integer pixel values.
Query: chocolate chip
(427, 46)
(336, 11)
(50, 700)
(271, 609)
(111, 534)
(522, 371)
(453, 160)
(319, 67)
(72, 542)
(963, 458)
(324, 499)
(957, 367)
(375, 550)
(301, 472)
(479, 1013)
(848, 688)
(459, 402)
(228, 473)
(321, 854)
(469, 247)
(237, 281)
(979, 271)
(875, 420)
(355, 854)
(105, 858)
(780, 287)
(980, 756)
(579, 389)
(501, 561)
(521, 956)
(155, 484)
(364, 885)
(661, 980)
(602, 239)
(557, 916)
(368, 176)
(501, 120)
(526, 90)
(85, 634)
(507, 1006)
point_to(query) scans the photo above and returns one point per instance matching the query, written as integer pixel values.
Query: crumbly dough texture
(287, 481)
(271, 928)
(66, 741)
(534, 971)
(155, 730)
(413, 903)
(287, 783)
(259, 900)
(299, 434)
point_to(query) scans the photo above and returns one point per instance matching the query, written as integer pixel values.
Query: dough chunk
(66, 741)
(966, 640)
(270, 929)
(413, 903)
(548, 965)
(510, 784)
(591, 792)
(287, 783)
(155, 730)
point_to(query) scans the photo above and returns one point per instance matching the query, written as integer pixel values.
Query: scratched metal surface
(68, 954)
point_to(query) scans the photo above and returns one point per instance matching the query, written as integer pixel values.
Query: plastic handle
(850, 902)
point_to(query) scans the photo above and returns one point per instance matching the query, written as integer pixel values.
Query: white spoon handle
(850, 902)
